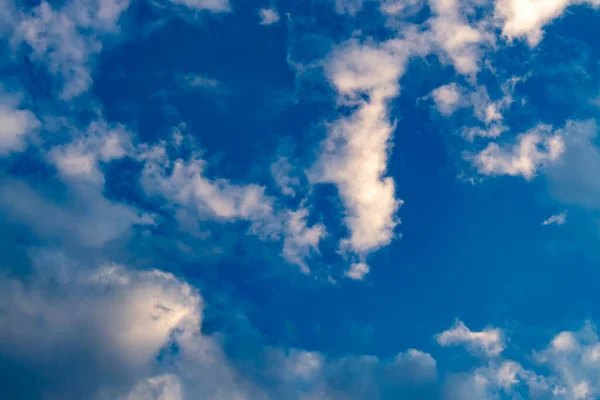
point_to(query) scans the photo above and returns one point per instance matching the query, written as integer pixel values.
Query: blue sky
(326, 199)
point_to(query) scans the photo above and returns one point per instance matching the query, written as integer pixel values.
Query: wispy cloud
(557, 219)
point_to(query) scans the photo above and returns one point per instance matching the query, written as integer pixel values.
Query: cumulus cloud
(558, 219)
(16, 124)
(81, 158)
(527, 18)
(566, 369)
(460, 40)
(109, 332)
(268, 16)
(66, 39)
(489, 342)
(533, 150)
(355, 152)
(97, 331)
(448, 98)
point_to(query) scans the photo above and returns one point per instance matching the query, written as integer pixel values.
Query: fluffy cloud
(448, 98)
(533, 150)
(16, 125)
(489, 342)
(107, 323)
(355, 153)
(566, 369)
(460, 40)
(108, 332)
(66, 39)
(358, 271)
(526, 18)
(81, 158)
(184, 182)
(268, 16)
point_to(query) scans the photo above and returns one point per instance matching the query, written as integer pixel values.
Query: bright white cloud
(81, 158)
(533, 150)
(527, 18)
(268, 16)
(16, 125)
(185, 183)
(558, 219)
(355, 153)
(209, 5)
(489, 342)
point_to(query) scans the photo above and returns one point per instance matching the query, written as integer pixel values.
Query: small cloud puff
(558, 219)
(268, 16)
(357, 271)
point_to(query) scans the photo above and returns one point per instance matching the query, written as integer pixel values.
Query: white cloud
(460, 41)
(569, 367)
(527, 18)
(299, 240)
(209, 5)
(533, 150)
(357, 271)
(489, 342)
(268, 16)
(448, 98)
(100, 143)
(98, 332)
(184, 184)
(16, 125)
(66, 39)
(355, 153)
(558, 219)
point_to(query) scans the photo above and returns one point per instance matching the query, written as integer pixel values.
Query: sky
(303, 200)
